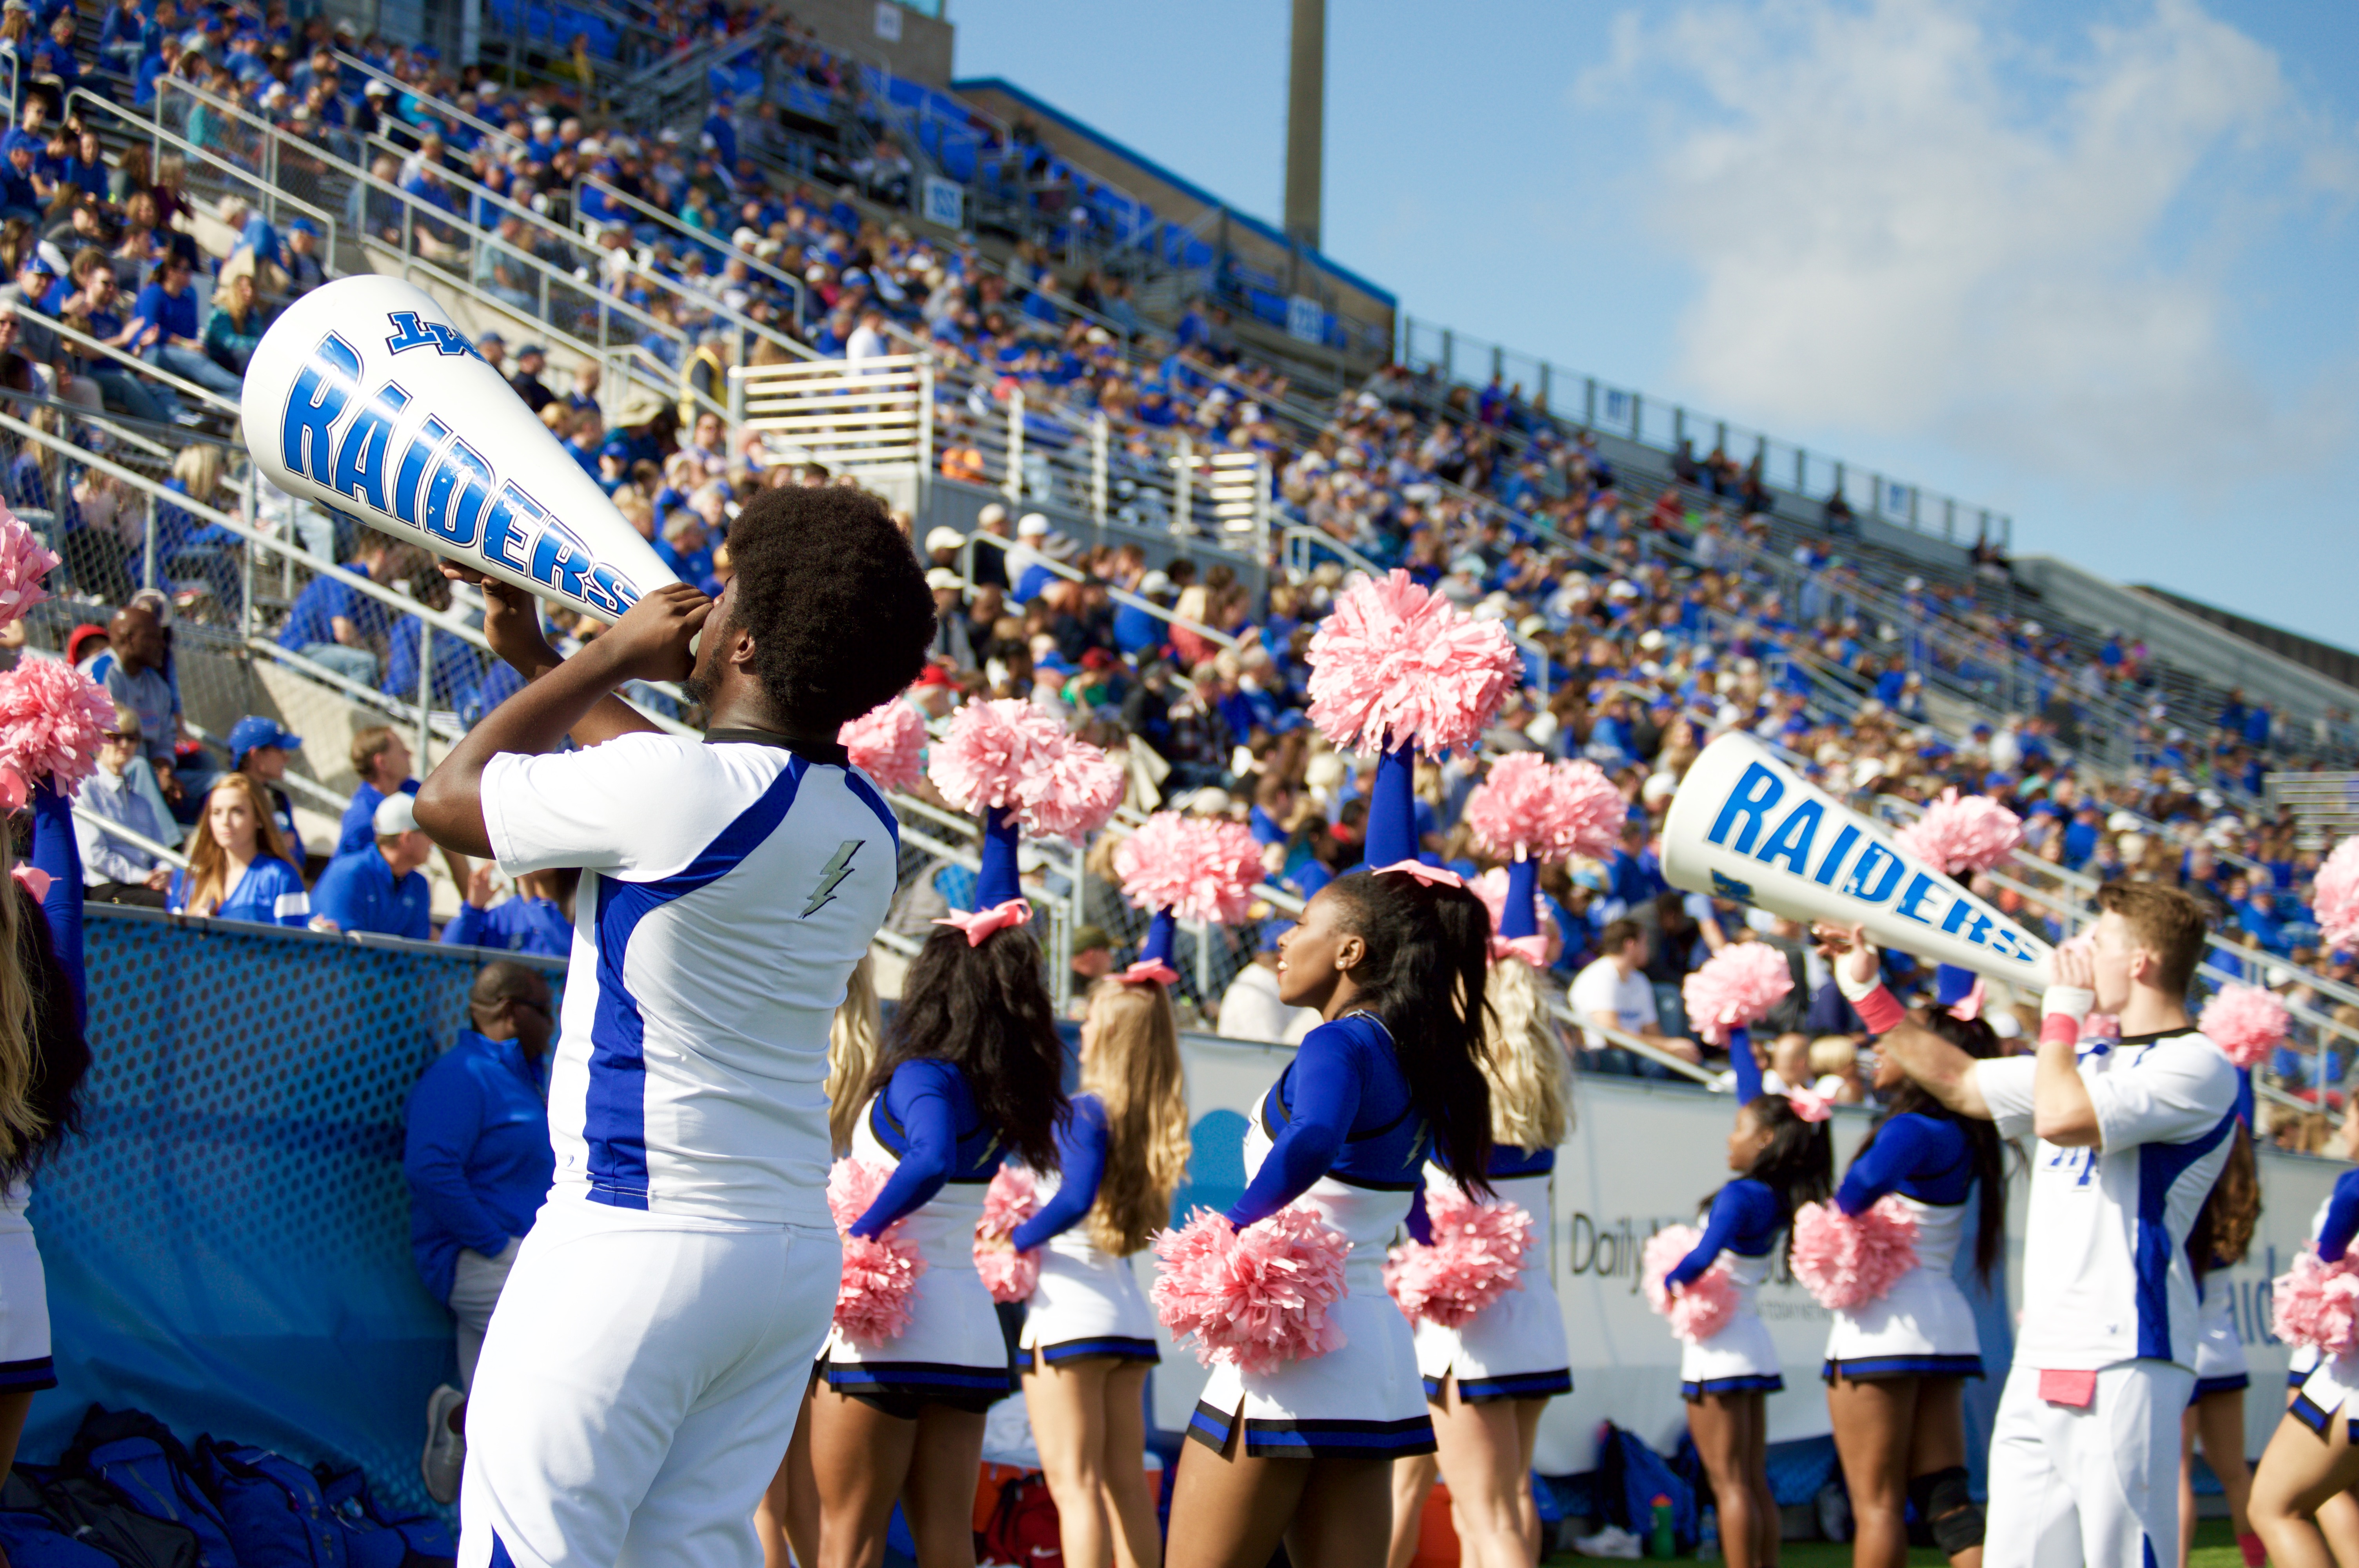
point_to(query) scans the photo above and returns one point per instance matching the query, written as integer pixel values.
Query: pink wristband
(2059, 1029)
(1880, 1010)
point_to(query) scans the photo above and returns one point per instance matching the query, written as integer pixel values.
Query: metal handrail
(779, 276)
(442, 108)
(132, 837)
(123, 356)
(1119, 595)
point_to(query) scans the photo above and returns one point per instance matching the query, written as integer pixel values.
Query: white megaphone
(1744, 826)
(364, 397)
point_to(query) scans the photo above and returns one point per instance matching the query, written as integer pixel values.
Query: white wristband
(1856, 990)
(2075, 1003)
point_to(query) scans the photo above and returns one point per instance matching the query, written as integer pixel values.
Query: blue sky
(2089, 265)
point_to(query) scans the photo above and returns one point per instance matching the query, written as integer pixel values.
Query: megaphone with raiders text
(1744, 826)
(364, 397)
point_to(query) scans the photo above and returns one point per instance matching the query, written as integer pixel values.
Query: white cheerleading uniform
(2327, 1387)
(641, 1373)
(1923, 1326)
(2220, 1364)
(1515, 1347)
(2084, 1451)
(952, 1352)
(26, 1364)
(1087, 1301)
(1364, 1398)
(1741, 1359)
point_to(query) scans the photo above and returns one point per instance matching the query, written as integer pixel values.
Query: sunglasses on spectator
(119, 736)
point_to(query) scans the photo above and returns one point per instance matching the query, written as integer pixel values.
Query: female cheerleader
(2338, 1516)
(788, 1515)
(2223, 1234)
(1089, 1335)
(1487, 1382)
(1897, 1366)
(42, 1059)
(1394, 960)
(1784, 1158)
(971, 1073)
(238, 867)
(2312, 1460)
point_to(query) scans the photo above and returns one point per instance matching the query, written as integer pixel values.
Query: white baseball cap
(397, 814)
(1031, 525)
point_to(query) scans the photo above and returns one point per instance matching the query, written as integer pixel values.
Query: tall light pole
(1306, 117)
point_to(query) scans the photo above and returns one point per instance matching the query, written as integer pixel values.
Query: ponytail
(1798, 1162)
(1427, 959)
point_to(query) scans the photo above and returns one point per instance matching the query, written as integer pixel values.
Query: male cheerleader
(640, 1377)
(2084, 1454)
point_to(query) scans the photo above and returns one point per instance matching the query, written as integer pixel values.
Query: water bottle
(1662, 1545)
(1708, 1536)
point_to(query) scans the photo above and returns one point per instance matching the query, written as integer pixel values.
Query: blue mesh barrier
(228, 1245)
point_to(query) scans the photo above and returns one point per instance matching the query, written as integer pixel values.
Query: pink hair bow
(984, 922)
(1431, 876)
(1532, 950)
(1969, 1007)
(14, 792)
(1149, 969)
(1814, 1104)
(36, 880)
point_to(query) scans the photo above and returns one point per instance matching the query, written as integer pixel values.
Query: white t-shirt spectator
(1250, 1011)
(2106, 1276)
(1602, 988)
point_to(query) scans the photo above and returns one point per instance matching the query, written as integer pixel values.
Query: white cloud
(1905, 222)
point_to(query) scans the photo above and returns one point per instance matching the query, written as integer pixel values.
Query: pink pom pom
(2334, 896)
(2245, 1022)
(51, 719)
(1963, 833)
(2317, 1303)
(1012, 1198)
(1393, 664)
(1531, 809)
(1699, 1310)
(24, 562)
(1198, 868)
(1257, 1297)
(1476, 1256)
(1735, 989)
(887, 743)
(1848, 1261)
(1009, 755)
(880, 1276)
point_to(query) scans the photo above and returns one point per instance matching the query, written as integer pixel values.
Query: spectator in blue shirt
(477, 1158)
(238, 867)
(20, 192)
(379, 889)
(54, 56)
(259, 749)
(338, 627)
(539, 919)
(168, 335)
(122, 37)
(381, 757)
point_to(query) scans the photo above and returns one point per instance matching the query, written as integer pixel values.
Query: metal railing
(877, 414)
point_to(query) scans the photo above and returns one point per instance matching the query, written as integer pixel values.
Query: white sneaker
(446, 1451)
(1611, 1541)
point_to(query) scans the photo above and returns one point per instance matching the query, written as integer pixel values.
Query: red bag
(1022, 1530)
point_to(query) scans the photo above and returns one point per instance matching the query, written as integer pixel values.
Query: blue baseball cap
(303, 226)
(254, 730)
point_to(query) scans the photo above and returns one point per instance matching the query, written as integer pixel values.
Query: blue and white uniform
(1087, 1301)
(27, 1364)
(1513, 1348)
(1340, 1134)
(2109, 1302)
(269, 891)
(1744, 1221)
(1922, 1327)
(2220, 1364)
(640, 1377)
(2327, 1386)
(925, 1126)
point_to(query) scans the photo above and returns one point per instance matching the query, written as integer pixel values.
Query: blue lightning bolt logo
(833, 877)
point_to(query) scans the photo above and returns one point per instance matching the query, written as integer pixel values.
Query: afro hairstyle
(835, 600)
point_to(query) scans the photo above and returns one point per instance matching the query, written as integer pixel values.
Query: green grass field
(2215, 1547)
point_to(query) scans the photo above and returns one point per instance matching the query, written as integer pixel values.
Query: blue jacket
(270, 893)
(477, 1154)
(358, 828)
(359, 894)
(521, 925)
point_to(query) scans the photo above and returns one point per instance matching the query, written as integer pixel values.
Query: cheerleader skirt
(1513, 1348)
(26, 1366)
(1923, 1326)
(1088, 1303)
(952, 1353)
(1741, 1359)
(1364, 1399)
(2220, 1364)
